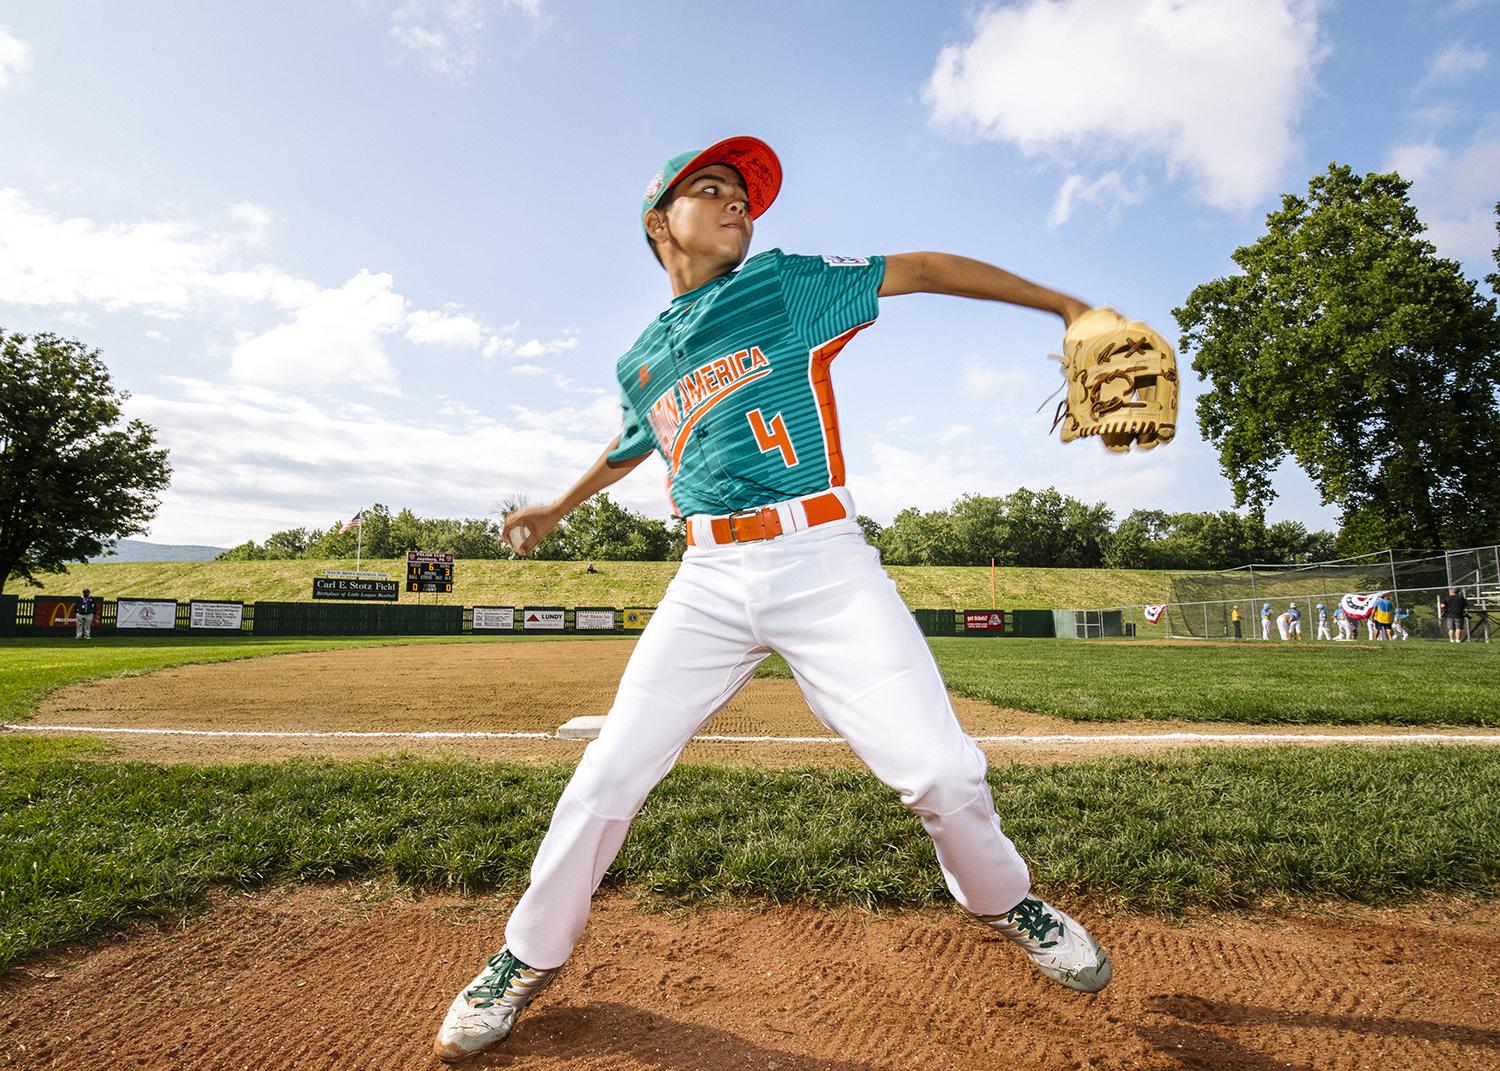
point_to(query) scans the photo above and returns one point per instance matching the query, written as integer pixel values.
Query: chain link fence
(1201, 604)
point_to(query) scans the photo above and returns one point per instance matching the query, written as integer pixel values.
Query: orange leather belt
(766, 522)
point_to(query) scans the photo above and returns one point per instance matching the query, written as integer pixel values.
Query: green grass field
(89, 846)
(621, 584)
(1390, 684)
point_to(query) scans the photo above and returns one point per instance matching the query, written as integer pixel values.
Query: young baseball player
(1284, 624)
(730, 384)
(1323, 633)
(1265, 621)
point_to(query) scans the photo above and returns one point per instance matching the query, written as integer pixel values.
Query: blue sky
(351, 252)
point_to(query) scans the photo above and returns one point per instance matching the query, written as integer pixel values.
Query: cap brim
(755, 162)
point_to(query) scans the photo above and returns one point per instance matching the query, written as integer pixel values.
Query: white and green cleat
(485, 1010)
(1057, 943)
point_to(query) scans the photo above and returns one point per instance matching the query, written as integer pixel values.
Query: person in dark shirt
(83, 616)
(1455, 615)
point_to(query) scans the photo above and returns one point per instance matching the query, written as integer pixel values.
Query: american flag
(353, 522)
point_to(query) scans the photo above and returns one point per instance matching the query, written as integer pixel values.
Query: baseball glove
(1122, 382)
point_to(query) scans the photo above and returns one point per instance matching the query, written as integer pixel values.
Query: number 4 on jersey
(774, 437)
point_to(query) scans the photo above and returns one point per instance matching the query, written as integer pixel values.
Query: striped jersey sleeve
(635, 434)
(826, 296)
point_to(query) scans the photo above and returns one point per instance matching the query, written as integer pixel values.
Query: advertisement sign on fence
(543, 619)
(58, 613)
(145, 614)
(225, 616)
(636, 619)
(494, 618)
(984, 621)
(369, 590)
(587, 619)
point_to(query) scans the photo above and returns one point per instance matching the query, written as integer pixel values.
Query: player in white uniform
(1323, 633)
(730, 384)
(1265, 621)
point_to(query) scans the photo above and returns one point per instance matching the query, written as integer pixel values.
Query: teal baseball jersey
(731, 383)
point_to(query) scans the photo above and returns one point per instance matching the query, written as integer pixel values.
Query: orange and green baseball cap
(751, 157)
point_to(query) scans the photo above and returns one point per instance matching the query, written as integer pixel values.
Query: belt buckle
(734, 534)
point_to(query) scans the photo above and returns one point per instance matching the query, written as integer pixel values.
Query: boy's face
(709, 217)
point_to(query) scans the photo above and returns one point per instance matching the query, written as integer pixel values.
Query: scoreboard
(429, 572)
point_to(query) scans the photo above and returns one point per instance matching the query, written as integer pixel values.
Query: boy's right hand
(527, 527)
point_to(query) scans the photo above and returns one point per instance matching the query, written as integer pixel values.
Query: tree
(1348, 345)
(73, 478)
(602, 530)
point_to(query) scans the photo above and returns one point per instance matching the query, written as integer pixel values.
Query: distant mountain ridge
(138, 550)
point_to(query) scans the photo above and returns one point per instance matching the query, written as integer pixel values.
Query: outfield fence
(1201, 605)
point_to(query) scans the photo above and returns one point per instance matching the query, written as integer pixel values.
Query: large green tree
(1347, 344)
(74, 476)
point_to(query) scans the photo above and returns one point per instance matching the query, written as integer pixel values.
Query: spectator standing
(1385, 613)
(83, 616)
(1234, 615)
(1455, 610)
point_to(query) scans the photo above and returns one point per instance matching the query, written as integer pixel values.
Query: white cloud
(1416, 160)
(1453, 64)
(152, 266)
(979, 379)
(1109, 191)
(531, 349)
(443, 37)
(170, 269)
(1210, 87)
(336, 337)
(443, 327)
(254, 460)
(1454, 189)
(15, 58)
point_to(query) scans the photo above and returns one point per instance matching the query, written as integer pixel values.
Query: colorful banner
(1360, 607)
(1153, 613)
(637, 619)
(984, 620)
(58, 613)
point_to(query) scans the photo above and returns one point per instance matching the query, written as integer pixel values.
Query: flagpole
(360, 548)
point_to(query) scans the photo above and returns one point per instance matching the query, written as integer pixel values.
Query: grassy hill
(506, 583)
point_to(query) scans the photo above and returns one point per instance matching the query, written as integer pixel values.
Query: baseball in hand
(516, 536)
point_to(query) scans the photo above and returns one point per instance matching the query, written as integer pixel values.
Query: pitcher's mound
(319, 978)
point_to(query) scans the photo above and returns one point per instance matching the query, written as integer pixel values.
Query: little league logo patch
(654, 186)
(846, 262)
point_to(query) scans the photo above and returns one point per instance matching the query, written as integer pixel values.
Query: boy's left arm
(945, 273)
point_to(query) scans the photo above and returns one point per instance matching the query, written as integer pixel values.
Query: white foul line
(268, 733)
(1043, 740)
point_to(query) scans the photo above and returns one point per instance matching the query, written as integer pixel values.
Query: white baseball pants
(1265, 628)
(1323, 633)
(819, 598)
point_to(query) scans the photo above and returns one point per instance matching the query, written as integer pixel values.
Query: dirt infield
(508, 687)
(329, 978)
